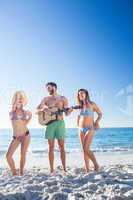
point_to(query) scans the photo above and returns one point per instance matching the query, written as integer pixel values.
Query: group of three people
(54, 130)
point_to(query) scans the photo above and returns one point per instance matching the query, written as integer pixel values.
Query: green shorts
(55, 130)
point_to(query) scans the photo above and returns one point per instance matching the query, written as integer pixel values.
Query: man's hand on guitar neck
(68, 111)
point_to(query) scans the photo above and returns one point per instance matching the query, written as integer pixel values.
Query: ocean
(105, 140)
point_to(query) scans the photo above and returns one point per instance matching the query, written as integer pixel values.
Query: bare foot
(86, 171)
(97, 168)
(52, 173)
(14, 173)
(21, 173)
(64, 172)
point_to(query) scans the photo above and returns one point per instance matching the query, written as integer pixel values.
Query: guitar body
(47, 116)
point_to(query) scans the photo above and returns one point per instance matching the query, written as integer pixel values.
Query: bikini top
(14, 116)
(87, 112)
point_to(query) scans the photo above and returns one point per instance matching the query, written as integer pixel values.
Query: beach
(113, 181)
(113, 149)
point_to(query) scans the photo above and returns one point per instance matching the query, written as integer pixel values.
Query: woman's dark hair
(52, 84)
(79, 102)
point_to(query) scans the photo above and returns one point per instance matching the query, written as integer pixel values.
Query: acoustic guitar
(50, 115)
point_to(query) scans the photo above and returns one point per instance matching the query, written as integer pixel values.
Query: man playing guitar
(55, 129)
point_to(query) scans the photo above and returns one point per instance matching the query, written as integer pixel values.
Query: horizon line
(74, 127)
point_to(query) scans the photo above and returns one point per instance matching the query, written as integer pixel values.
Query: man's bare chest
(55, 102)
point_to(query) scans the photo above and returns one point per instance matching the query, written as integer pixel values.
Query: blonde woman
(19, 118)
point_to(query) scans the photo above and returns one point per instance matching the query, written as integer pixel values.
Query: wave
(102, 150)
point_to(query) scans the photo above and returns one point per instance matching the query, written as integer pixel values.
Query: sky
(75, 43)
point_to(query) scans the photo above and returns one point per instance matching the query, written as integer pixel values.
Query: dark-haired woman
(87, 126)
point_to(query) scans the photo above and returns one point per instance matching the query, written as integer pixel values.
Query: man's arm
(42, 105)
(68, 112)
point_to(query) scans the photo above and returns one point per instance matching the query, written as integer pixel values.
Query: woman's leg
(24, 146)
(86, 146)
(90, 153)
(13, 146)
(93, 158)
(84, 140)
(82, 136)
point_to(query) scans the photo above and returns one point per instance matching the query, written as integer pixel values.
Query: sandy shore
(113, 182)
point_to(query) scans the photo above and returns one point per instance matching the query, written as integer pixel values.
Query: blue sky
(76, 43)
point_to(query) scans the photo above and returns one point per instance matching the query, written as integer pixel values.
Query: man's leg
(62, 153)
(51, 154)
(50, 136)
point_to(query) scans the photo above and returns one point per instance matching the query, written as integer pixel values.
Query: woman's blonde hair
(22, 94)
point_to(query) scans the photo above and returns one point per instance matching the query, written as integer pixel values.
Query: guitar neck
(66, 109)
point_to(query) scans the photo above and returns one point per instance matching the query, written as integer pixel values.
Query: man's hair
(52, 84)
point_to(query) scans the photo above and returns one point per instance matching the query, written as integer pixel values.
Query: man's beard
(51, 91)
